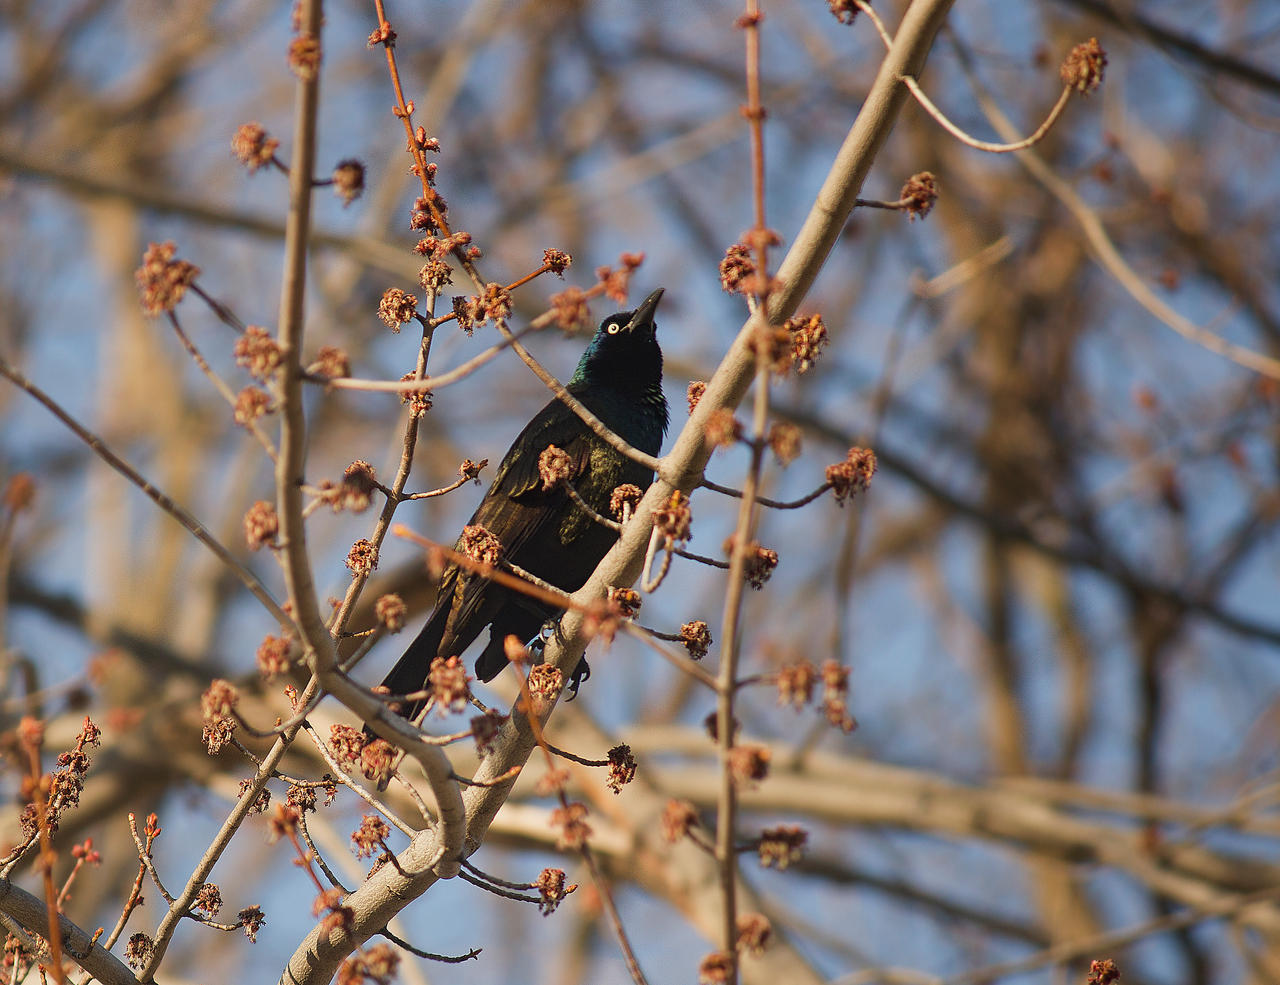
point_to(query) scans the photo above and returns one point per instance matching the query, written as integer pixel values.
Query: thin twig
(985, 145)
(194, 526)
(727, 800)
(241, 810)
(144, 856)
(315, 853)
(349, 782)
(1104, 249)
(678, 660)
(429, 955)
(773, 504)
(219, 384)
(431, 383)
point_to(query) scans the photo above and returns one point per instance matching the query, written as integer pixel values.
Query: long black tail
(410, 672)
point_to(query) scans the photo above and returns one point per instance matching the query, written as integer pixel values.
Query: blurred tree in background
(1057, 601)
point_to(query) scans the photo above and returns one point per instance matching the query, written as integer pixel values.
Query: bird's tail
(410, 672)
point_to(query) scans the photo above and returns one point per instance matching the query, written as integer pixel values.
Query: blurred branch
(1217, 61)
(29, 911)
(1058, 547)
(374, 253)
(194, 526)
(1104, 249)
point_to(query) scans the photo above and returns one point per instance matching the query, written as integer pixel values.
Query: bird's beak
(644, 314)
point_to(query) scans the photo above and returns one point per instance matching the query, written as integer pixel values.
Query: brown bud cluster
(835, 696)
(696, 638)
(694, 393)
(754, 931)
(723, 429)
(796, 684)
(495, 302)
(263, 802)
(274, 656)
(853, 475)
(624, 500)
(419, 400)
(572, 822)
(918, 195)
(484, 729)
(616, 282)
(716, 968)
(304, 56)
(208, 900)
(377, 761)
(1103, 972)
(359, 481)
(785, 442)
(163, 280)
(625, 601)
(760, 562)
(622, 767)
(390, 611)
(843, 10)
(369, 837)
(551, 890)
(781, 846)
(257, 352)
(674, 519)
(479, 544)
(396, 308)
(449, 682)
(138, 950)
(545, 681)
(348, 180)
(749, 764)
(346, 744)
(251, 403)
(302, 797)
(471, 470)
(570, 309)
(331, 362)
(216, 707)
(251, 918)
(382, 34)
(261, 524)
(678, 818)
(252, 146)
(808, 339)
(554, 467)
(423, 218)
(363, 557)
(435, 276)
(737, 269)
(1084, 67)
(377, 964)
(557, 261)
(466, 311)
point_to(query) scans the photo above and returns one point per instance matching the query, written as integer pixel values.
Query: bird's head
(624, 352)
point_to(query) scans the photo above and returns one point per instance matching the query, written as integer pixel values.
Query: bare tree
(1007, 709)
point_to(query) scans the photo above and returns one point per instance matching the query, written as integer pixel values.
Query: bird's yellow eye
(614, 327)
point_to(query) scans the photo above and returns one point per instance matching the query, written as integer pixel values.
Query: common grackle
(619, 379)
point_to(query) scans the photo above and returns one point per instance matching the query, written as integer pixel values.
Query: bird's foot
(580, 674)
(538, 644)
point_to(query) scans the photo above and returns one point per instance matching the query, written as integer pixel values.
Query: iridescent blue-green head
(624, 353)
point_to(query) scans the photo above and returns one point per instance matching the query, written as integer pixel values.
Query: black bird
(619, 379)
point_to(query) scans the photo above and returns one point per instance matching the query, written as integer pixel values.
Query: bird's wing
(516, 507)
